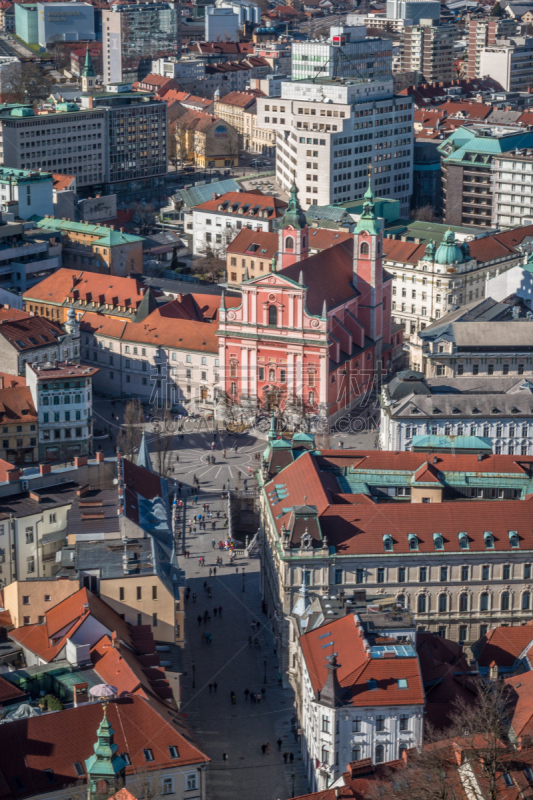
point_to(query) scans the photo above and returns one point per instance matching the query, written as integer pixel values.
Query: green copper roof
(109, 236)
(88, 69)
(478, 145)
(105, 761)
(448, 251)
(294, 216)
(368, 221)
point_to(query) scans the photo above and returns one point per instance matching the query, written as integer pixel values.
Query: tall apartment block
(483, 33)
(115, 143)
(346, 54)
(510, 62)
(467, 174)
(512, 188)
(328, 132)
(134, 34)
(428, 50)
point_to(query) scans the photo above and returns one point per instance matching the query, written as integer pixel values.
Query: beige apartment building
(28, 601)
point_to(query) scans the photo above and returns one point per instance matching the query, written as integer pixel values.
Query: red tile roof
(162, 327)
(123, 669)
(446, 462)
(240, 99)
(27, 334)
(67, 285)
(57, 740)
(239, 203)
(356, 667)
(9, 692)
(8, 381)
(520, 708)
(360, 528)
(48, 640)
(503, 645)
(328, 276)
(10, 313)
(62, 183)
(472, 111)
(446, 675)
(5, 469)
(16, 405)
(62, 369)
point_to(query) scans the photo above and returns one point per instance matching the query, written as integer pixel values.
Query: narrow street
(231, 662)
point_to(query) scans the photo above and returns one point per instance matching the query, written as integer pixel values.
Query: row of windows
(466, 573)
(357, 723)
(444, 603)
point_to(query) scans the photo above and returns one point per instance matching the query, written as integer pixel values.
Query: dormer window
(388, 544)
(463, 541)
(413, 541)
(489, 540)
(513, 539)
(438, 541)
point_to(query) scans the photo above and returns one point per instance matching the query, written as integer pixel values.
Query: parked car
(267, 164)
(256, 163)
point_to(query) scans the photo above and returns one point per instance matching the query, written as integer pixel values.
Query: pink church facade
(310, 338)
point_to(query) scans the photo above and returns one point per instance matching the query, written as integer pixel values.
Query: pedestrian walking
(291, 756)
(215, 611)
(236, 570)
(215, 686)
(214, 572)
(213, 543)
(279, 742)
(224, 757)
(263, 748)
(210, 571)
(263, 691)
(246, 693)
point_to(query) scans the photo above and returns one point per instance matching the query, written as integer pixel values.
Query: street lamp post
(193, 675)
(243, 580)
(265, 675)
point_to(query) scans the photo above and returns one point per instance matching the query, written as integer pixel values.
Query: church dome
(448, 251)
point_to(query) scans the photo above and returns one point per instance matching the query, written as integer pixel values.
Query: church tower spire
(293, 232)
(368, 268)
(106, 771)
(87, 73)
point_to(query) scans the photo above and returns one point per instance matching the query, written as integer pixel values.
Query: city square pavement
(231, 660)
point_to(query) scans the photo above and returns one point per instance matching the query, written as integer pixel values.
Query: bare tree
(424, 214)
(485, 724)
(427, 775)
(163, 430)
(130, 434)
(144, 217)
(25, 83)
(233, 148)
(173, 155)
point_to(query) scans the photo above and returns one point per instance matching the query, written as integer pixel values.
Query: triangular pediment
(272, 281)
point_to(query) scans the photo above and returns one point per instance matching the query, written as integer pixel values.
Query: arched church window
(364, 249)
(272, 315)
(289, 243)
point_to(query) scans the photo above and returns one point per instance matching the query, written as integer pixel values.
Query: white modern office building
(329, 131)
(347, 53)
